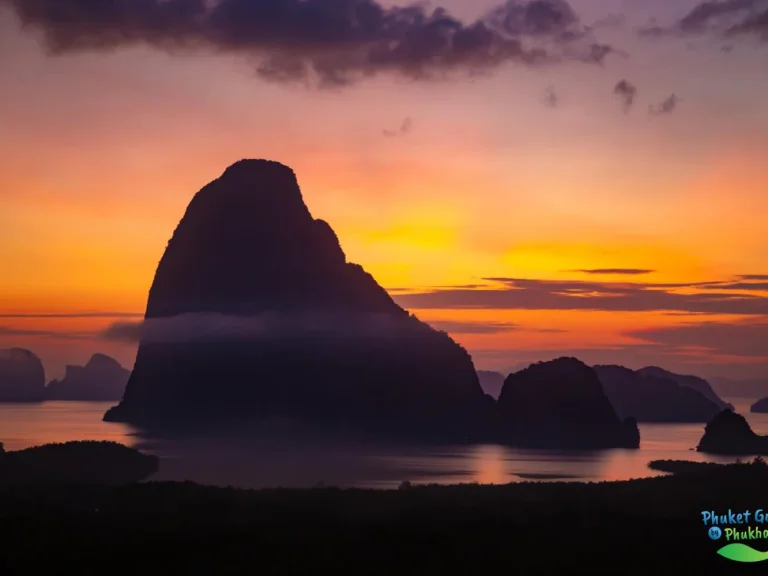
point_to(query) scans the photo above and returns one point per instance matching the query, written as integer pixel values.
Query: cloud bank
(323, 42)
(202, 327)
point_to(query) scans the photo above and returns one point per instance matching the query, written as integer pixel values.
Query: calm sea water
(268, 462)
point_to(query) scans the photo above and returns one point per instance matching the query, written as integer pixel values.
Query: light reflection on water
(269, 461)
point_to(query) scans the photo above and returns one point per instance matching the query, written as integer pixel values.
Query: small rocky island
(561, 404)
(22, 376)
(102, 379)
(729, 433)
(760, 407)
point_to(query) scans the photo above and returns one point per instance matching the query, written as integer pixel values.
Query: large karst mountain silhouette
(254, 311)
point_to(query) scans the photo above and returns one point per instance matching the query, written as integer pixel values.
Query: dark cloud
(666, 106)
(618, 271)
(729, 339)
(548, 18)
(722, 17)
(525, 294)
(753, 276)
(761, 286)
(328, 42)
(708, 15)
(627, 93)
(756, 23)
(389, 133)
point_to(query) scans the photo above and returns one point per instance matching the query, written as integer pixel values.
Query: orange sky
(102, 152)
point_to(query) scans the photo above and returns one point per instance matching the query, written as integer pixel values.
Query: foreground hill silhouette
(255, 311)
(639, 527)
(650, 398)
(102, 379)
(561, 404)
(89, 462)
(22, 377)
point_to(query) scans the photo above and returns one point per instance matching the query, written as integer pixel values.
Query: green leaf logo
(742, 553)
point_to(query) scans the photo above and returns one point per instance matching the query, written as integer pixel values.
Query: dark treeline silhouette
(639, 527)
(90, 462)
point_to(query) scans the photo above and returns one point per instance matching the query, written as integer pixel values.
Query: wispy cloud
(550, 97)
(615, 271)
(54, 334)
(743, 338)
(406, 127)
(71, 315)
(626, 92)
(666, 106)
(456, 327)
(528, 294)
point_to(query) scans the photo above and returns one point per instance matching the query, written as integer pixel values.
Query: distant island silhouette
(561, 404)
(642, 394)
(695, 382)
(22, 379)
(649, 397)
(760, 407)
(102, 379)
(22, 376)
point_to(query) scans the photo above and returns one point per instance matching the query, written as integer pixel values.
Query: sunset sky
(518, 201)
